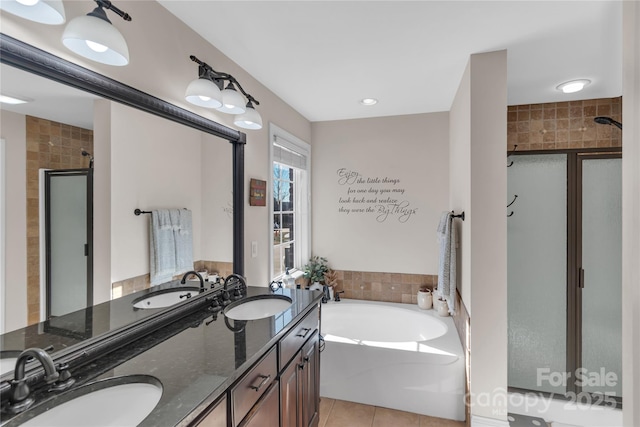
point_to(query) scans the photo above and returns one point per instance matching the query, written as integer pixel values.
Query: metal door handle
(265, 380)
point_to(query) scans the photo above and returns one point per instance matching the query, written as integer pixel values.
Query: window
(289, 202)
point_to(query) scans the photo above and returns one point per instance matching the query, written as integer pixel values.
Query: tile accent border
(139, 283)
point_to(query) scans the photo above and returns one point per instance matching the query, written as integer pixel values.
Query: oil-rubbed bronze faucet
(20, 399)
(184, 279)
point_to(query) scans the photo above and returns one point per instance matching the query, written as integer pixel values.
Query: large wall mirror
(137, 152)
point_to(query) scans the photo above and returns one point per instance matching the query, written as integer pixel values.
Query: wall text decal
(381, 197)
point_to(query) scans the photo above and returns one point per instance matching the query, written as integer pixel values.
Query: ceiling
(48, 100)
(323, 57)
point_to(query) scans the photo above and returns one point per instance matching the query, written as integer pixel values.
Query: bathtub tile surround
(139, 283)
(563, 125)
(382, 286)
(50, 145)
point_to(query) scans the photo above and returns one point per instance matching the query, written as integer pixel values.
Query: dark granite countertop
(196, 359)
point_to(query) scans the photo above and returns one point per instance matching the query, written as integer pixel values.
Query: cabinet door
(289, 393)
(310, 379)
(266, 413)
(217, 417)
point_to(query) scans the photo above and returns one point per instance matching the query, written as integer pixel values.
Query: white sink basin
(257, 307)
(165, 299)
(121, 401)
(7, 364)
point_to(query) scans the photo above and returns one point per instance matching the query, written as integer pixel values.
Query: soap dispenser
(287, 280)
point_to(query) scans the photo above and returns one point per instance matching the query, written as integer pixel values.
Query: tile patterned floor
(339, 413)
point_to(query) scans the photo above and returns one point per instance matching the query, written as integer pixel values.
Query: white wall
(14, 131)
(156, 164)
(478, 130)
(631, 215)
(159, 47)
(217, 200)
(460, 179)
(412, 149)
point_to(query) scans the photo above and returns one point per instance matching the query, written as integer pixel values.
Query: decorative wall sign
(257, 192)
(382, 197)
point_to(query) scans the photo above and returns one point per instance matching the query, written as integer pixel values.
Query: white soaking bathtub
(392, 355)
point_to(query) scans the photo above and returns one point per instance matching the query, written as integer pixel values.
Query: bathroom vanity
(212, 370)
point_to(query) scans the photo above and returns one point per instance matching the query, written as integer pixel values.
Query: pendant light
(94, 37)
(49, 12)
(203, 92)
(250, 119)
(206, 92)
(232, 101)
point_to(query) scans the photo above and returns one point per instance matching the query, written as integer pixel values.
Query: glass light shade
(49, 12)
(232, 101)
(96, 39)
(204, 93)
(250, 119)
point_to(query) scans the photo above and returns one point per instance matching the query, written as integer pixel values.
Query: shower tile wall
(563, 125)
(50, 145)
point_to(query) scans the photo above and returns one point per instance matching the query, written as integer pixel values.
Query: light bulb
(96, 47)
(28, 2)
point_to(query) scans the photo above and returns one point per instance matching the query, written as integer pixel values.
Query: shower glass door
(537, 272)
(68, 226)
(601, 283)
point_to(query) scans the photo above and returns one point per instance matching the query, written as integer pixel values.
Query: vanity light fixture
(201, 92)
(94, 37)
(573, 86)
(49, 12)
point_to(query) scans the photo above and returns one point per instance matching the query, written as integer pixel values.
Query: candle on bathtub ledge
(425, 298)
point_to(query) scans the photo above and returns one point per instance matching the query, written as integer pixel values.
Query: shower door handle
(581, 278)
(86, 249)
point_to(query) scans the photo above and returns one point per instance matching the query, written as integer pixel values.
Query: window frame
(302, 183)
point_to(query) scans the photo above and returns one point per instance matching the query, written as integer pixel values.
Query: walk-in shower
(565, 275)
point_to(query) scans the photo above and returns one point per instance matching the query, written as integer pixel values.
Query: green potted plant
(315, 269)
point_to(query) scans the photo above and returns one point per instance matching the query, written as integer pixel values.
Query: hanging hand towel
(162, 247)
(183, 235)
(447, 262)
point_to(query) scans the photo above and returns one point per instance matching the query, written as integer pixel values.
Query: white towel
(170, 244)
(181, 220)
(162, 247)
(447, 262)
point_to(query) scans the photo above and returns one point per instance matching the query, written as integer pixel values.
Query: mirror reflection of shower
(608, 121)
(87, 154)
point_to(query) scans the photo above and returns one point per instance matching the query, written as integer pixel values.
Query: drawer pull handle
(306, 332)
(265, 380)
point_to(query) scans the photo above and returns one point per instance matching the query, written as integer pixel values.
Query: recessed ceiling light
(5, 99)
(573, 85)
(368, 101)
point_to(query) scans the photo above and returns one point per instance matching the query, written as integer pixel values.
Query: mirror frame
(34, 60)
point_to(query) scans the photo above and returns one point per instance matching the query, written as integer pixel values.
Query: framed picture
(257, 192)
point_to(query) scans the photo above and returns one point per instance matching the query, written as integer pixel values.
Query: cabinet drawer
(253, 385)
(294, 340)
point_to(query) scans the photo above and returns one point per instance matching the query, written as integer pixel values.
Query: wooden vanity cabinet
(281, 389)
(299, 379)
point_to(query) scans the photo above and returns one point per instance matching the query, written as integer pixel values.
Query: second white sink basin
(257, 307)
(121, 401)
(165, 299)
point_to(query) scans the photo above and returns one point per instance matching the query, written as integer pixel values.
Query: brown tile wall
(374, 286)
(563, 125)
(50, 145)
(139, 283)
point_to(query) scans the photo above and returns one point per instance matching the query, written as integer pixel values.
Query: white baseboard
(477, 421)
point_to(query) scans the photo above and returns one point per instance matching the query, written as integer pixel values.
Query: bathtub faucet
(337, 296)
(325, 294)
